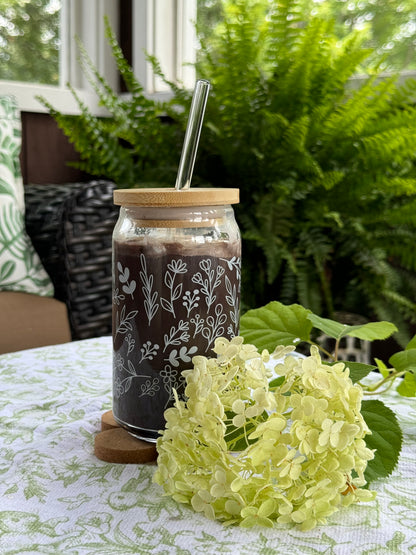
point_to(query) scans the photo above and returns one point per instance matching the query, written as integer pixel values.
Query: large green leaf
(275, 324)
(386, 438)
(359, 370)
(404, 360)
(407, 388)
(368, 332)
(412, 343)
(372, 331)
(329, 327)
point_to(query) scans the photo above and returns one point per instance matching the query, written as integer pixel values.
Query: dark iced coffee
(175, 290)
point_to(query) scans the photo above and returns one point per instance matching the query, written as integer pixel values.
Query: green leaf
(382, 368)
(372, 331)
(275, 324)
(276, 382)
(329, 327)
(412, 343)
(407, 388)
(368, 332)
(236, 439)
(404, 360)
(358, 370)
(386, 438)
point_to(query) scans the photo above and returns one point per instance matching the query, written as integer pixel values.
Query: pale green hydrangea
(243, 452)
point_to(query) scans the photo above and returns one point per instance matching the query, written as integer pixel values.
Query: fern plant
(325, 167)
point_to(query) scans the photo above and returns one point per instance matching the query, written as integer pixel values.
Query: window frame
(171, 39)
(166, 30)
(84, 19)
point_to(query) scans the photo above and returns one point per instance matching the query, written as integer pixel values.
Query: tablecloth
(57, 497)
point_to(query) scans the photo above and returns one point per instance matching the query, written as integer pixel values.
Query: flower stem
(374, 389)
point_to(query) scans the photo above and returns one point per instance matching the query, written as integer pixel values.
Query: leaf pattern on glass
(151, 305)
(128, 287)
(123, 384)
(184, 354)
(233, 263)
(190, 300)
(130, 343)
(148, 351)
(117, 296)
(198, 324)
(175, 267)
(209, 283)
(123, 321)
(177, 335)
(232, 300)
(214, 325)
(149, 388)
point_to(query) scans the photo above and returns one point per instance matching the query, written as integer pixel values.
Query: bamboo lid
(170, 197)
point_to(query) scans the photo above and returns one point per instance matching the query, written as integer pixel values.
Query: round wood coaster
(116, 445)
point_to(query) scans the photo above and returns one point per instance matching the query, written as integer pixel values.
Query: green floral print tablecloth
(56, 497)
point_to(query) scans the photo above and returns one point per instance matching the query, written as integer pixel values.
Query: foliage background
(30, 40)
(325, 167)
(389, 26)
(326, 170)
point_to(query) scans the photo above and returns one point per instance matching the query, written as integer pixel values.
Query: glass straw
(193, 131)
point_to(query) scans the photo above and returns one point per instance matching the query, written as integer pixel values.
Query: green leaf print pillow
(20, 266)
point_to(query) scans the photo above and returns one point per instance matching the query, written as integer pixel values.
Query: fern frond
(403, 214)
(308, 289)
(347, 55)
(294, 86)
(132, 84)
(388, 145)
(286, 19)
(349, 120)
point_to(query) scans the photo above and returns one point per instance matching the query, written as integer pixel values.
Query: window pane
(30, 40)
(389, 25)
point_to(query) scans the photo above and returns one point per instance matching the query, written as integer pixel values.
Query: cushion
(20, 265)
(28, 321)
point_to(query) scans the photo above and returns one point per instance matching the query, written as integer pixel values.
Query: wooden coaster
(108, 422)
(114, 444)
(118, 446)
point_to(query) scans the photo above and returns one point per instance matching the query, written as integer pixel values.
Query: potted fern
(325, 169)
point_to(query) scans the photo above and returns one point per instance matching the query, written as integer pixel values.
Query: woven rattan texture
(71, 227)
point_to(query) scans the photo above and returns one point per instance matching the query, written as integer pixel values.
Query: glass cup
(176, 288)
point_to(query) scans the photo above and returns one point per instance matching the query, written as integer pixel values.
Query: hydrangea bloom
(242, 451)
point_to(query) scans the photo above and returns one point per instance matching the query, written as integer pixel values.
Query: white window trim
(164, 28)
(86, 20)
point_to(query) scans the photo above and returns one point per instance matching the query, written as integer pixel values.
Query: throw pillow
(20, 265)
